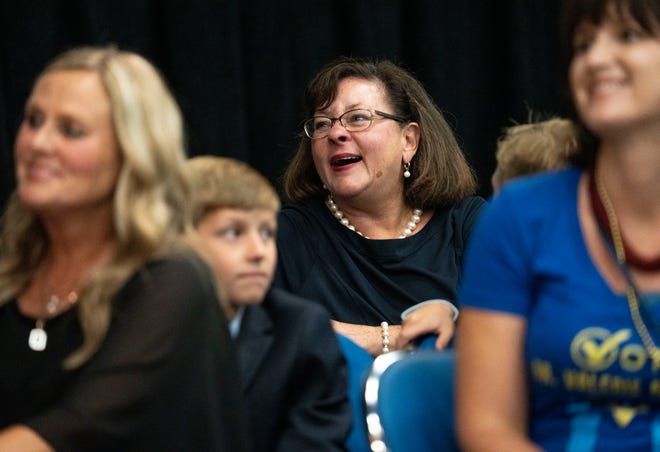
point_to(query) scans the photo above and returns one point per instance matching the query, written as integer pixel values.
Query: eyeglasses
(352, 120)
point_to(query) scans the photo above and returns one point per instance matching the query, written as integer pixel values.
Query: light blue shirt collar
(235, 324)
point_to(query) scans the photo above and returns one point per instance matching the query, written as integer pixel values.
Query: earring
(406, 170)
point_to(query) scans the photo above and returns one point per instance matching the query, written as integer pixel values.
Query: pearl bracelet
(386, 336)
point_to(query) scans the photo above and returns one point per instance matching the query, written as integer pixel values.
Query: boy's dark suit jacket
(294, 376)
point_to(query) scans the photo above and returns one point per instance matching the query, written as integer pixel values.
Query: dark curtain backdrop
(238, 67)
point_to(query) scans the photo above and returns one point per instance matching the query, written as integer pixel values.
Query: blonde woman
(111, 334)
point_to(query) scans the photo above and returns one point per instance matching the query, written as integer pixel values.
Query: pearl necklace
(339, 215)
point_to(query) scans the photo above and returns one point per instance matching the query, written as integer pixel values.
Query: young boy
(293, 370)
(526, 149)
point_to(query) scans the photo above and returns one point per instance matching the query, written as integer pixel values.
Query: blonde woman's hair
(150, 212)
(223, 182)
(526, 149)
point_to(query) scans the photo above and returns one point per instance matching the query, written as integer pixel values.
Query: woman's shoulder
(182, 261)
(467, 207)
(302, 221)
(543, 186)
(306, 210)
(178, 273)
(461, 215)
(538, 198)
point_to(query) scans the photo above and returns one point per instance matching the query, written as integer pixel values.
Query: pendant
(38, 337)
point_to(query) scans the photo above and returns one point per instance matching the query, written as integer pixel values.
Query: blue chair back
(359, 363)
(409, 399)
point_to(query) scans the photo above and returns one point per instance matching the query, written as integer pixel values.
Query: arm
(496, 294)
(368, 337)
(19, 438)
(491, 388)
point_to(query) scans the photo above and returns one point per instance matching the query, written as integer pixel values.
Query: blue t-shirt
(591, 381)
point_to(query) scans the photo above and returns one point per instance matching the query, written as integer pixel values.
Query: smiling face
(615, 75)
(369, 161)
(66, 152)
(242, 247)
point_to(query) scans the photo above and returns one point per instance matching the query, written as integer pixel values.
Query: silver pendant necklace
(38, 338)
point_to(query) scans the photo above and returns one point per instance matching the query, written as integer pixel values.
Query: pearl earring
(406, 170)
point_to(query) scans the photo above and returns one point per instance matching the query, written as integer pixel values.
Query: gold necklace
(631, 293)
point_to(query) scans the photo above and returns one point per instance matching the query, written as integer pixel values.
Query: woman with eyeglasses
(382, 206)
(558, 345)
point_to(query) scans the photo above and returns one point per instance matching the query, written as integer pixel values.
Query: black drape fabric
(239, 67)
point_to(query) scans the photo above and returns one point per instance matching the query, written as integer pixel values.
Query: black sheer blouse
(164, 378)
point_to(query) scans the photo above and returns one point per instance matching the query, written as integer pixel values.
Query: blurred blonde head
(527, 149)
(149, 206)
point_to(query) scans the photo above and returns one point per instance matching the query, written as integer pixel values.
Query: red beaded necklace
(632, 259)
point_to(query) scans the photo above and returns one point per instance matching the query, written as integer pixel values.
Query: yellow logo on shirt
(595, 349)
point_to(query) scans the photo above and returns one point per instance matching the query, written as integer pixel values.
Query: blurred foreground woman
(111, 333)
(558, 346)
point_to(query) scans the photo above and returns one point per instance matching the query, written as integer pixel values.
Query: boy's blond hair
(223, 182)
(531, 148)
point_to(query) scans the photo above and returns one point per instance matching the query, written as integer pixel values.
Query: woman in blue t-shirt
(557, 347)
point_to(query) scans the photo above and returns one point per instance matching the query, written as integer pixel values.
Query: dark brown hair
(440, 173)
(645, 12)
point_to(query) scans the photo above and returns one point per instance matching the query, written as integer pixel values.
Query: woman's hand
(433, 318)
